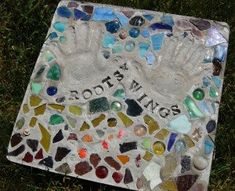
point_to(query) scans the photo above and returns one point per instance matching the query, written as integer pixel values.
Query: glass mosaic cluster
(124, 97)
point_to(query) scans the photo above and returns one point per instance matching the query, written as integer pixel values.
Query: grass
(23, 27)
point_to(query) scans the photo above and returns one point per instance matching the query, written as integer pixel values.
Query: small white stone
(200, 162)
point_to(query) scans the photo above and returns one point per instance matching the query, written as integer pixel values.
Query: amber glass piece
(125, 119)
(95, 122)
(40, 110)
(56, 107)
(76, 110)
(33, 121)
(169, 185)
(46, 138)
(25, 108)
(152, 124)
(35, 100)
(189, 142)
(123, 158)
(85, 126)
(148, 156)
(162, 134)
(87, 138)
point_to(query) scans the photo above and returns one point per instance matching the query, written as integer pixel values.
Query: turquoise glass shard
(181, 124)
(59, 26)
(157, 41)
(108, 40)
(103, 14)
(192, 108)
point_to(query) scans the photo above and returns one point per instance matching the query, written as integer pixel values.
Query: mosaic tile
(124, 97)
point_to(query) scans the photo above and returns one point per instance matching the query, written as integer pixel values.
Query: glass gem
(80, 15)
(33, 144)
(61, 153)
(99, 105)
(134, 108)
(113, 163)
(82, 168)
(125, 119)
(56, 107)
(200, 163)
(128, 176)
(145, 33)
(159, 148)
(213, 93)
(122, 18)
(53, 35)
(217, 81)
(123, 158)
(198, 94)
(208, 145)
(16, 139)
(101, 172)
(39, 154)
(185, 164)
(95, 122)
(58, 137)
(116, 106)
(59, 26)
(56, 119)
(119, 93)
(35, 100)
(117, 177)
(161, 26)
(76, 110)
(130, 46)
(180, 146)
(40, 110)
(157, 41)
(162, 134)
(28, 157)
(45, 138)
(85, 126)
(140, 130)
(171, 141)
(103, 14)
(48, 162)
(17, 151)
(64, 168)
(137, 21)
(63, 11)
(193, 110)
(134, 32)
(36, 87)
(54, 72)
(152, 124)
(25, 108)
(148, 156)
(51, 90)
(112, 26)
(185, 182)
(167, 19)
(95, 159)
(128, 146)
(82, 153)
(20, 123)
(146, 143)
(41, 69)
(108, 40)
(33, 121)
(112, 122)
(210, 126)
(117, 48)
(123, 34)
(72, 121)
(143, 48)
(180, 124)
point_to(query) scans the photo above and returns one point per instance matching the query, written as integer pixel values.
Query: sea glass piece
(123, 158)
(180, 146)
(213, 92)
(85, 126)
(152, 124)
(143, 48)
(108, 40)
(220, 52)
(180, 124)
(95, 122)
(64, 168)
(214, 37)
(73, 137)
(88, 9)
(16, 139)
(40, 110)
(99, 105)
(217, 81)
(56, 107)
(159, 148)
(113, 163)
(48, 162)
(35, 100)
(61, 152)
(117, 48)
(189, 142)
(17, 151)
(33, 144)
(33, 122)
(134, 32)
(54, 72)
(185, 164)
(46, 138)
(87, 138)
(20, 123)
(63, 11)
(193, 110)
(128, 178)
(82, 153)
(127, 122)
(122, 18)
(148, 156)
(210, 126)
(171, 141)
(25, 108)
(127, 146)
(162, 134)
(169, 185)
(145, 33)
(185, 182)
(208, 145)
(168, 20)
(112, 26)
(56, 119)
(39, 154)
(112, 122)
(171, 162)
(101, 172)
(28, 157)
(82, 168)
(59, 26)
(117, 177)
(133, 108)
(103, 14)
(78, 14)
(130, 46)
(76, 110)
(147, 143)
(36, 87)
(157, 41)
(94, 159)
(58, 137)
